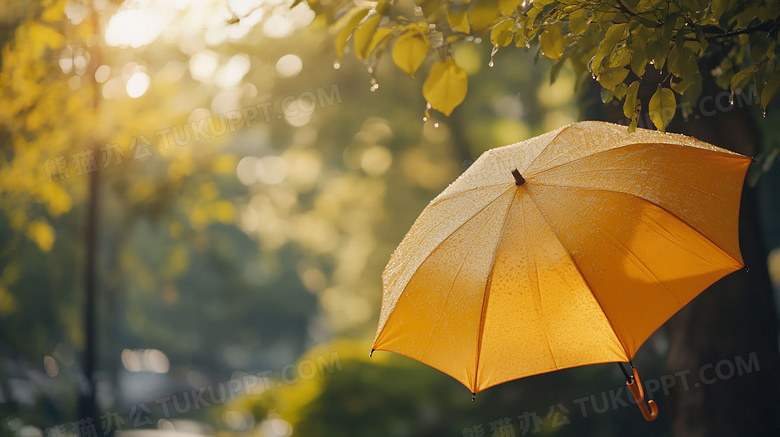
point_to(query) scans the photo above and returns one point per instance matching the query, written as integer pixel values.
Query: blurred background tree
(231, 240)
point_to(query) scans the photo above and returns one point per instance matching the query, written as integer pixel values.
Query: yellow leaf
(662, 107)
(42, 234)
(380, 39)
(224, 164)
(345, 25)
(410, 50)
(551, 41)
(362, 36)
(53, 13)
(224, 212)
(43, 37)
(482, 13)
(459, 21)
(502, 33)
(446, 86)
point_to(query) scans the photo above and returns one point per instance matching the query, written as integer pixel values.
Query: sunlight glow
(135, 27)
(243, 7)
(203, 65)
(233, 71)
(145, 360)
(102, 73)
(278, 26)
(137, 84)
(289, 65)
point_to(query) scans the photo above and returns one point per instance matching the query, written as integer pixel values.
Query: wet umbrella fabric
(570, 248)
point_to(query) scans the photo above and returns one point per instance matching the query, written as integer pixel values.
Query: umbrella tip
(371, 353)
(473, 397)
(519, 179)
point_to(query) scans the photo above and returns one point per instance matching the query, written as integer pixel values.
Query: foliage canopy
(611, 41)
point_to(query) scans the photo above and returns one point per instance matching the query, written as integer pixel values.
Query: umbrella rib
(715, 245)
(636, 259)
(668, 236)
(574, 161)
(486, 295)
(390, 311)
(564, 129)
(540, 313)
(433, 228)
(584, 279)
(454, 279)
(647, 174)
(457, 193)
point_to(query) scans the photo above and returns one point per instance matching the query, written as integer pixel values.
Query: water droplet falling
(336, 65)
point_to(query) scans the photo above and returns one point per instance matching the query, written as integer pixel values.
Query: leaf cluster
(611, 41)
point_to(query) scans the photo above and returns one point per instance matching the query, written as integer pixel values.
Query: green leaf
(657, 51)
(607, 95)
(662, 107)
(556, 69)
(551, 41)
(769, 90)
(638, 63)
(503, 33)
(611, 77)
(621, 57)
(446, 86)
(741, 78)
(578, 21)
(361, 37)
(507, 7)
(620, 90)
(629, 105)
(410, 49)
(613, 36)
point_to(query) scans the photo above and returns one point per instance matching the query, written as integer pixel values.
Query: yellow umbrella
(567, 249)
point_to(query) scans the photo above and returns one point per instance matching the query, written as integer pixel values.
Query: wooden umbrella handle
(649, 410)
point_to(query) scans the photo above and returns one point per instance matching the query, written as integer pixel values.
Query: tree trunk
(735, 319)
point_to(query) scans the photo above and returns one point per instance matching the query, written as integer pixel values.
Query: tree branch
(766, 26)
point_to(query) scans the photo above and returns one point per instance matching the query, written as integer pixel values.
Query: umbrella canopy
(567, 249)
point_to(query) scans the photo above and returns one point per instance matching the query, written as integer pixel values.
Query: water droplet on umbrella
(336, 65)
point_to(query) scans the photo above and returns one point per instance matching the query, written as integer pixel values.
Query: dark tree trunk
(736, 316)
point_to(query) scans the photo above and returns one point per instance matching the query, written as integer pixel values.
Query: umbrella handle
(635, 387)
